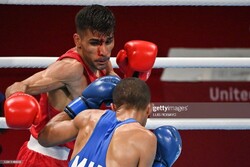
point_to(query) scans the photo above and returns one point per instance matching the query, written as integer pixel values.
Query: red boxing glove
(21, 110)
(137, 59)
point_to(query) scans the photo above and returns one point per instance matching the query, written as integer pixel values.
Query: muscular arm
(59, 130)
(57, 75)
(62, 129)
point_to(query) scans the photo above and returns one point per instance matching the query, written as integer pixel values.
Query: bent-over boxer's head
(132, 93)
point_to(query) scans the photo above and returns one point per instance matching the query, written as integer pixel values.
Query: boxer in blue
(114, 137)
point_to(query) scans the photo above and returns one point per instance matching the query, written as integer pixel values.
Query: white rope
(161, 62)
(131, 2)
(196, 124)
(3, 124)
(186, 124)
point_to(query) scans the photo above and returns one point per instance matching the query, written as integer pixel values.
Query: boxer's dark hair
(132, 93)
(96, 18)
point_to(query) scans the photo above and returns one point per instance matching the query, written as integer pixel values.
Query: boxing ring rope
(131, 2)
(186, 124)
(161, 62)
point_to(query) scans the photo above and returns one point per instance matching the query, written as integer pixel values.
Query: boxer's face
(95, 49)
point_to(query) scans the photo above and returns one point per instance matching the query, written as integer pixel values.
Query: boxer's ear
(113, 106)
(149, 108)
(77, 40)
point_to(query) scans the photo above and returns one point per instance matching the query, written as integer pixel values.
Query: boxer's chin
(101, 66)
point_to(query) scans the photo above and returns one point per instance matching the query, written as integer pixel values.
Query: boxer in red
(65, 79)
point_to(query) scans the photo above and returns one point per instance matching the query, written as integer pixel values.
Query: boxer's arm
(55, 76)
(59, 130)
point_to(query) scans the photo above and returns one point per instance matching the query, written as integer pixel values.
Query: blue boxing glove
(169, 145)
(98, 92)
